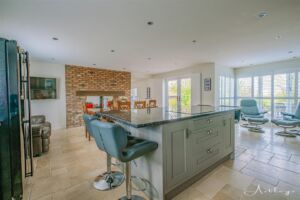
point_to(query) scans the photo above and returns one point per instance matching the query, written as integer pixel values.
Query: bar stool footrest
(133, 197)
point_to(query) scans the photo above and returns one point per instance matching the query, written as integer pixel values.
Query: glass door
(185, 97)
(172, 94)
(179, 94)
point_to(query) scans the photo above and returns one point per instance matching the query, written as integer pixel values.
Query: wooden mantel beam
(99, 93)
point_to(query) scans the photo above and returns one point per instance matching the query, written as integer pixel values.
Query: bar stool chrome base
(133, 197)
(256, 129)
(109, 181)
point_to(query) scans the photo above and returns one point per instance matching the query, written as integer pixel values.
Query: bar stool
(116, 143)
(109, 179)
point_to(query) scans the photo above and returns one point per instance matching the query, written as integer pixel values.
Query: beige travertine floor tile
(209, 187)
(235, 164)
(59, 171)
(269, 170)
(268, 179)
(48, 197)
(191, 194)
(295, 158)
(291, 166)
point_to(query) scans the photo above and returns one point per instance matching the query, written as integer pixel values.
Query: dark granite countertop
(157, 116)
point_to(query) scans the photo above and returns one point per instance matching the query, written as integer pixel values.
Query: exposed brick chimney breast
(87, 78)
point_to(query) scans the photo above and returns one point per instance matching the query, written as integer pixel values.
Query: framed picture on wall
(207, 84)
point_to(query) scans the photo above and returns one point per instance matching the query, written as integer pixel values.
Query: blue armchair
(289, 121)
(292, 117)
(251, 113)
(249, 109)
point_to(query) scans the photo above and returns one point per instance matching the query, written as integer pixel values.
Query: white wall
(154, 84)
(53, 109)
(196, 72)
(268, 68)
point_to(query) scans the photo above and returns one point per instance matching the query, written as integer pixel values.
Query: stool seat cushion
(258, 120)
(282, 122)
(114, 140)
(137, 147)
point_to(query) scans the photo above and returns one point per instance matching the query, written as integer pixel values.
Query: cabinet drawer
(204, 122)
(200, 135)
(208, 156)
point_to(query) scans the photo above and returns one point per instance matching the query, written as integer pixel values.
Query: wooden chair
(139, 104)
(123, 105)
(110, 105)
(152, 103)
(85, 111)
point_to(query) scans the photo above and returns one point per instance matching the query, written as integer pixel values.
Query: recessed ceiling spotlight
(262, 14)
(277, 37)
(112, 51)
(54, 38)
(94, 64)
(290, 52)
(194, 41)
(150, 23)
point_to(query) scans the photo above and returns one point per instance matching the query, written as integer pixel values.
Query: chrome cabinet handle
(186, 133)
(209, 132)
(209, 121)
(209, 150)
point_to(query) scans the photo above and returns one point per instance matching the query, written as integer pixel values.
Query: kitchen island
(191, 142)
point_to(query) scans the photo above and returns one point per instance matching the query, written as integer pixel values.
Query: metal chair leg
(85, 131)
(129, 195)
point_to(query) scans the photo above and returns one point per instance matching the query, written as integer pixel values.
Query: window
(244, 87)
(226, 91)
(275, 93)
(284, 93)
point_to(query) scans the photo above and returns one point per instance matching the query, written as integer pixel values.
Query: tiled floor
(266, 167)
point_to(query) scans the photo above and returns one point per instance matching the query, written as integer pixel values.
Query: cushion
(282, 122)
(258, 120)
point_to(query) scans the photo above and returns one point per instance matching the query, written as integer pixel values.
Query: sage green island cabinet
(190, 144)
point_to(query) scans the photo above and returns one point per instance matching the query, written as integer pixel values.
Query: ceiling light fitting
(55, 38)
(150, 23)
(262, 14)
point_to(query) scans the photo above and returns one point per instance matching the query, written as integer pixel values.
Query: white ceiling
(228, 32)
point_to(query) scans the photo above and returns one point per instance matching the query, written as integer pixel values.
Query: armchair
(41, 132)
(289, 121)
(251, 113)
(292, 117)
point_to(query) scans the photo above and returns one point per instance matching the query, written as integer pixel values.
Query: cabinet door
(177, 161)
(227, 132)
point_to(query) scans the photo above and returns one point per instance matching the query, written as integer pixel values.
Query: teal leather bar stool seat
(251, 113)
(119, 145)
(87, 119)
(109, 179)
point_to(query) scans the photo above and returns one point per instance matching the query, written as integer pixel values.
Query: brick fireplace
(81, 79)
